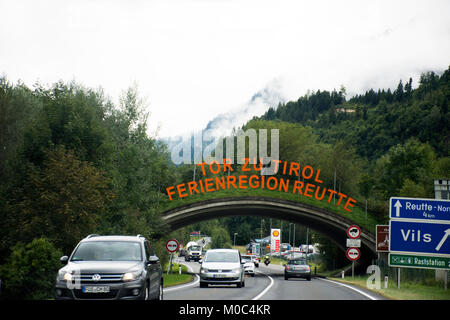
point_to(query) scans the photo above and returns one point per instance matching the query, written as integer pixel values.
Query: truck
(193, 251)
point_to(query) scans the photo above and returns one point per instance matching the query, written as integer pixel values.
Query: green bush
(30, 270)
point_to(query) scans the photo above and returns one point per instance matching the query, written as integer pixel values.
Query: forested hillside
(395, 143)
(377, 120)
(72, 163)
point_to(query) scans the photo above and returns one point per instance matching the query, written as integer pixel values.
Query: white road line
(266, 289)
(352, 288)
(190, 284)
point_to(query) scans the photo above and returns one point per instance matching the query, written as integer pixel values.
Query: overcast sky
(196, 59)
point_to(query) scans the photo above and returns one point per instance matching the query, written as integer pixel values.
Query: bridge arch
(324, 221)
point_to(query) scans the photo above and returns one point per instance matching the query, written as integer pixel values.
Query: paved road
(253, 287)
(268, 284)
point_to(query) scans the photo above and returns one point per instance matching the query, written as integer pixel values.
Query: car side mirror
(200, 261)
(153, 259)
(64, 259)
(242, 262)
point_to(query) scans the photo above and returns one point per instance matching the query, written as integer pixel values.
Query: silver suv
(110, 267)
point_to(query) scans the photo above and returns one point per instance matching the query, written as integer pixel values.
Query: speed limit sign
(353, 254)
(172, 245)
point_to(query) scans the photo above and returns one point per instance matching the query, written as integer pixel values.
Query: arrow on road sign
(447, 232)
(397, 206)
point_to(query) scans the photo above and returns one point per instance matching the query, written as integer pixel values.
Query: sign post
(420, 209)
(353, 242)
(353, 232)
(172, 246)
(419, 227)
(382, 238)
(353, 254)
(419, 234)
(275, 236)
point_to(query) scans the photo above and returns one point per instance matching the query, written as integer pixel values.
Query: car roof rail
(92, 235)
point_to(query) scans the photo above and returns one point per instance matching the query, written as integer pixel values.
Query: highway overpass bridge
(324, 221)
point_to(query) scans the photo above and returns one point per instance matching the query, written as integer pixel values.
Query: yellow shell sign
(276, 233)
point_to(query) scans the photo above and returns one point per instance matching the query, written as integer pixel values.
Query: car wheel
(286, 277)
(309, 278)
(161, 291)
(253, 275)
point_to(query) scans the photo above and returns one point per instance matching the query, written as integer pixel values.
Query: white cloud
(196, 59)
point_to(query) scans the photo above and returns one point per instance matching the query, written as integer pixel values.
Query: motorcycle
(267, 261)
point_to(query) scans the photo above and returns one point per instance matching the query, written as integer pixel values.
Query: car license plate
(219, 275)
(95, 289)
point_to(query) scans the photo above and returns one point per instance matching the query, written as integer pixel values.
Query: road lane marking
(266, 289)
(350, 287)
(190, 284)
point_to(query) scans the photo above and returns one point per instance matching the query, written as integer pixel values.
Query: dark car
(110, 267)
(297, 268)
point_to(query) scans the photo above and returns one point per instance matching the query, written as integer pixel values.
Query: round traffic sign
(353, 254)
(353, 232)
(172, 245)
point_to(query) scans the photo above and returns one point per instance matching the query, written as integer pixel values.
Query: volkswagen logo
(96, 277)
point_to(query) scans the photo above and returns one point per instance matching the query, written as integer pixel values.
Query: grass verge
(407, 291)
(174, 278)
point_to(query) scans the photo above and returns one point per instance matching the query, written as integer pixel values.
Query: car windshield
(195, 248)
(297, 262)
(222, 257)
(246, 258)
(108, 251)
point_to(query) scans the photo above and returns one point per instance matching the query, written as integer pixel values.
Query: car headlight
(237, 270)
(68, 276)
(132, 275)
(203, 270)
(65, 276)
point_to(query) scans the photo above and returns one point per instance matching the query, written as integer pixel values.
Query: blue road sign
(423, 209)
(431, 238)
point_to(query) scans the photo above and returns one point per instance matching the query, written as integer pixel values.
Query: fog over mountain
(222, 125)
(260, 102)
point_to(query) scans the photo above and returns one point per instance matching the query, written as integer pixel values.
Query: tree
(19, 107)
(220, 238)
(408, 89)
(29, 272)
(412, 189)
(398, 93)
(412, 160)
(63, 200)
